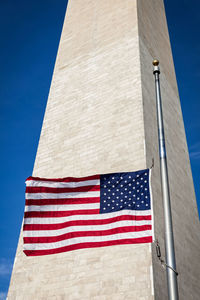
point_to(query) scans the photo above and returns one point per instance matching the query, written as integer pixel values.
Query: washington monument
(101, 118)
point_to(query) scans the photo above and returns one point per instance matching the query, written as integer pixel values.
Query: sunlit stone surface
(101, 118)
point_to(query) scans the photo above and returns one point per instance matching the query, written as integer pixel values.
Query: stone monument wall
(101, 118)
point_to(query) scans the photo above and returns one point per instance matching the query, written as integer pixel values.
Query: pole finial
(155, 62)
(156, 69)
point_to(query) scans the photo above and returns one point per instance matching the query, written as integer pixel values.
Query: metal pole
(169, 239)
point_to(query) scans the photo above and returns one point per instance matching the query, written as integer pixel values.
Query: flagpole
(169, 239)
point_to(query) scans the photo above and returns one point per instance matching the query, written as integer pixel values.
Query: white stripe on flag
(62, 195)
(64, 207)
(58, 220)
(54, 184)
(88, 239)
(84, 228)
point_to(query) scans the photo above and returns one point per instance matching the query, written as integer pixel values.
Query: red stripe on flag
(66, 179)
(41, 189)
(56, 214)
(88, 245)
(70, 235)
(28, 227)
(62, 201)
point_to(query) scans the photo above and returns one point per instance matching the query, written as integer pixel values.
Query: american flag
(96, 211)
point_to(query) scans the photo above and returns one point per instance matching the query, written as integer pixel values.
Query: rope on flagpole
(163, 263)
(152, 164)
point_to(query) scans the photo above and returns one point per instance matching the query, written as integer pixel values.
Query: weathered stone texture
(154, 43)
(93, 124)
(101, 118)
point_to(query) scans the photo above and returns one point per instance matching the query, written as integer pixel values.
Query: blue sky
(30, 32)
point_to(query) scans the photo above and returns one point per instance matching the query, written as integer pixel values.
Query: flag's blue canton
(124, 191)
